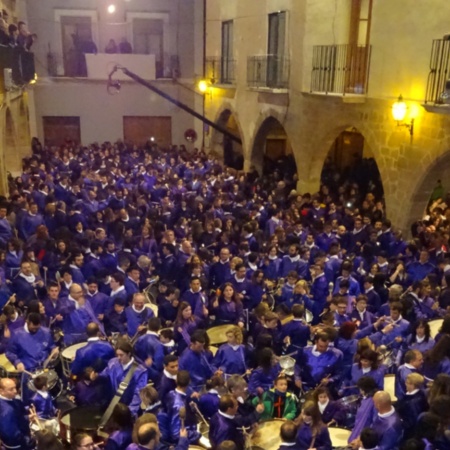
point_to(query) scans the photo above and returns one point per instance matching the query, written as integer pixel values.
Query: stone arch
(351, 156)
(232, 152)
(324, 144)
(439, 169)
(271, 142)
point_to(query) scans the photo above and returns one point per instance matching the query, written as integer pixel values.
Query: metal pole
(176, 102)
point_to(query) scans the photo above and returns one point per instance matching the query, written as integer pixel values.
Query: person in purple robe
(367, 366)
(175, 400)
(420, 338)
(42, 400)
(366, 413)
(90, 390)
(117, 370)
(197, 360)
(196, 298)
(360, 315)
(148, 437)
(332, 412)
(119, 427)
(231, 357)
(413, 363)
(137, 315)
(223, 426)
(312, 432)
(320, 363)
(228, 307)
(262, 378)
(80, 315)
(185, 324)
(413, 404)
(208, 403)
(387, 424)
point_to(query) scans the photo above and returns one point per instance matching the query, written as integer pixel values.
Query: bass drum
(339, 437)
(79, 420)
(267, 436)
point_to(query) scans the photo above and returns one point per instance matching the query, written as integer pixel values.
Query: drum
(435, 326)
(308, 316)
(53, 382)
(7, 369)
(67, 357)
(79, 420)
(218, 335)
(267, 436)
(389, 386)
(339, 437)
(350, 400)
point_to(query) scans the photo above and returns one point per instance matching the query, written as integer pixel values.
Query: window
(276, 64)
(148, 39)
(227, 62)
(76, 34)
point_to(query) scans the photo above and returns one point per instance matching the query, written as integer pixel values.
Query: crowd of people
(15, 35)
(162, 300)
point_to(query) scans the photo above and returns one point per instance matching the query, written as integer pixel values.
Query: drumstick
(182, 414)
(194, 406)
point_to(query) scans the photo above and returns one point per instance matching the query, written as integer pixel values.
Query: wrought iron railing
(220, 70)
(340, 69)
(438, 83)
(268, 71)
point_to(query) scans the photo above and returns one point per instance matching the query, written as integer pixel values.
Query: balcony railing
(340, 69)
(268, 71)
(438, 83)
(96, 66)
(20, 62)
(220, 69)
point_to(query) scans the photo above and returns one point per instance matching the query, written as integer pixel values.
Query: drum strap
(116, 399)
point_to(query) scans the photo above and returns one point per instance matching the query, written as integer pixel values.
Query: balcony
(220, 70)
(20, 62)
(437, 97)
(97, 66)
(340, 69)
(268, 72)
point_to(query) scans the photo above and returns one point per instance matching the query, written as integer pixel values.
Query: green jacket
(268, 398)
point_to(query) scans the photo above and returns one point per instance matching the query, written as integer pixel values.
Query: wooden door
(59, 130)
(275, 148)
(139, 129)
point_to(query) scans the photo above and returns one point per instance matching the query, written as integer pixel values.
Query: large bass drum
(80, 420)
(267, 436)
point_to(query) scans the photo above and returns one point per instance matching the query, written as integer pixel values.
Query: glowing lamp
(203, 86)
(112, 9)
(399, 109)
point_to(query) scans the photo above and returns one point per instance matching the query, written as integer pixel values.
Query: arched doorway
(350, 161)
(272, 150)
(435, 183)
(233, 155)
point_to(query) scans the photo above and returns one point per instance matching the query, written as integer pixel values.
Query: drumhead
(339, 436)
(69, 352)
(267, 436)
(218, 335)
(435, 326)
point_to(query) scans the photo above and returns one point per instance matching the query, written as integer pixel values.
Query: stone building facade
(400, 35)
